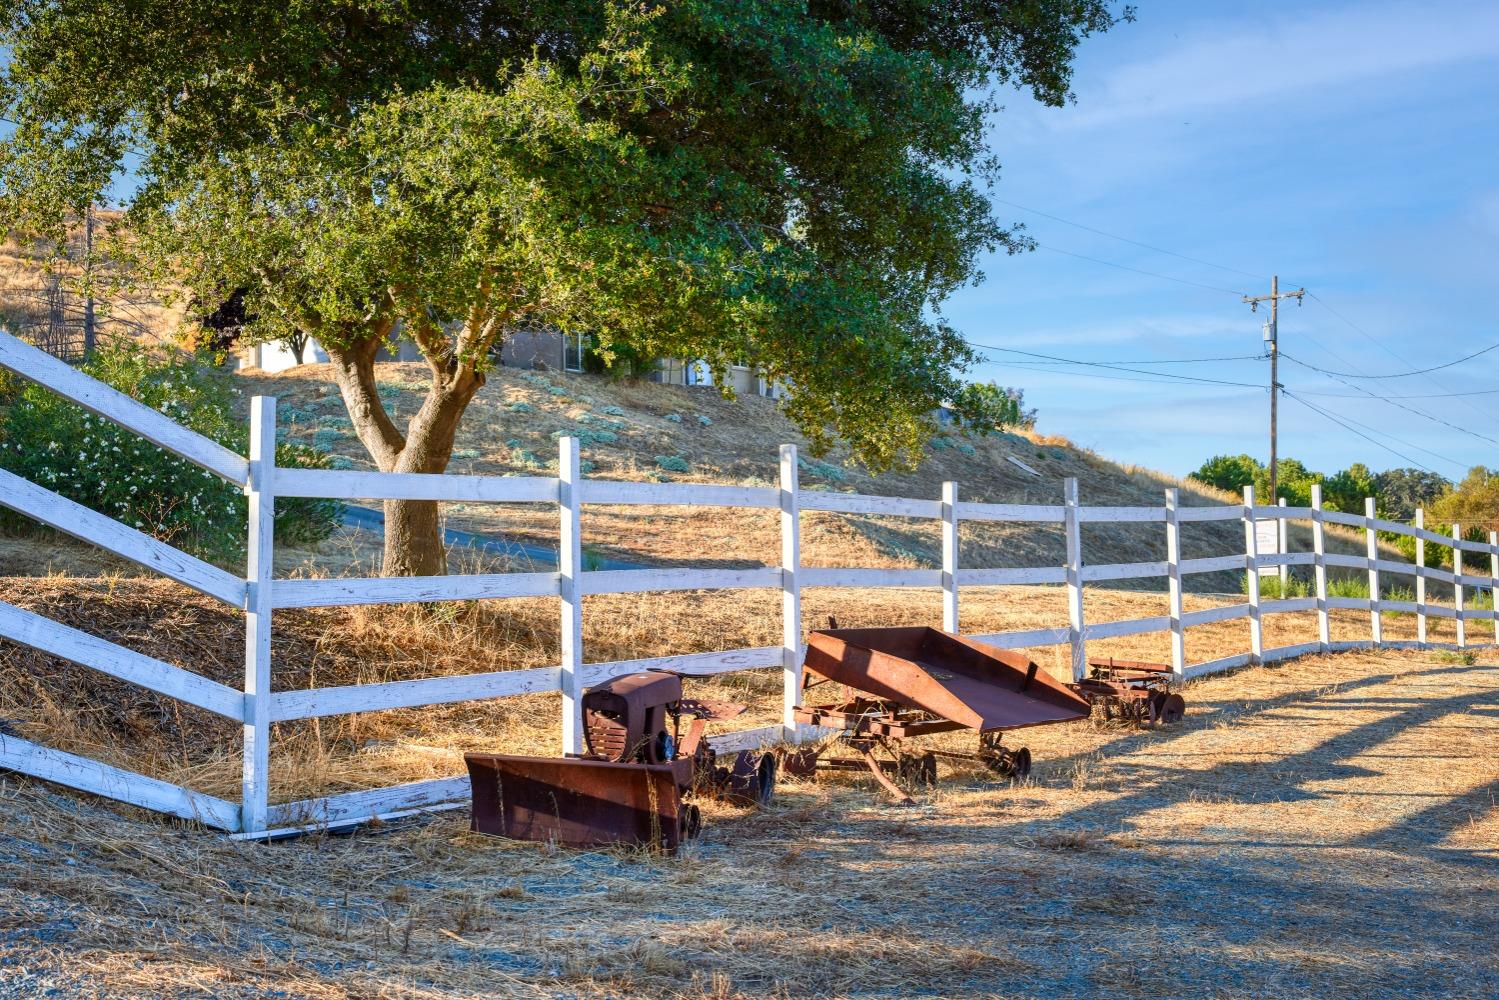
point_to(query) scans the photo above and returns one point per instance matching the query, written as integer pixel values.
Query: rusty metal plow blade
(580, 803)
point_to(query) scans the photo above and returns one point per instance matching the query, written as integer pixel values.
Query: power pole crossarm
(1273, 339)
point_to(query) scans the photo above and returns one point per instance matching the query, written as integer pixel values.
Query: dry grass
(1323, 827)
(738, 445)
(81, 710)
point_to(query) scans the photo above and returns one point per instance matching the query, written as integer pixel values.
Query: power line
(1348, 427)
(1112, 367)
(1157, 361)
(1410, 409)
(1137, 270)
(1122, 378)
(1124, 239)
(1389, 350)
(1419, 371)
(1428, 395)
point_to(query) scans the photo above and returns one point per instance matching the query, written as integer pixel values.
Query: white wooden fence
(258, 594)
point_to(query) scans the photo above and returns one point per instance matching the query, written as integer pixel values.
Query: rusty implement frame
(1133, 691)
(905, 683)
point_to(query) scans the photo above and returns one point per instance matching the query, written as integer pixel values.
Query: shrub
(613, 411)
(822, 470)
(705, 421)
(675, 418)
(1270, 587)
(94, 462)
(672, 463)
(521, 408)
(325, 438)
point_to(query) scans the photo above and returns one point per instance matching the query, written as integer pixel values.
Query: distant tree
(1473, 503)
(986, 407)
(795, 183)
(1228, 472)
(1294, 481)
(1401, 491)
(1346, 490)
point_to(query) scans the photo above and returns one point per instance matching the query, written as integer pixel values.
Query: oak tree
(800, 184)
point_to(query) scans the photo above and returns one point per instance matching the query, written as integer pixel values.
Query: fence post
(1174, 585)
(1457, 585)
(791, 591)
(1074, 540)
(1282, 535)
(1252, 578)
(1420, 578)
(1371, 542)
(1493, 582)
(1319, 569)
(950, 557)
(570, 590)
(259, 560)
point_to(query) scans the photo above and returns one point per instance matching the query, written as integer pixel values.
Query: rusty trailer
(905, 683)
(1132, 691)
(635, 784)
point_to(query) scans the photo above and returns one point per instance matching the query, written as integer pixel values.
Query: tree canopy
(799, 185)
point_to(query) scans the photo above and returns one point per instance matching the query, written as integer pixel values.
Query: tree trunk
(413, 539)
(413, 528)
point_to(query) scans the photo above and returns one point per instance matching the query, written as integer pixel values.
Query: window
(573, 347)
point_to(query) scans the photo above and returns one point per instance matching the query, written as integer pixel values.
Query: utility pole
(1272, 338)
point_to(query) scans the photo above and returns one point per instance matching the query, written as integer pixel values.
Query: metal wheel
(1012, 764)
(692, 821)
(918, 771)
(768, 768)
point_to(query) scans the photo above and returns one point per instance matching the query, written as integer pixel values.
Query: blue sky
(1349, 147)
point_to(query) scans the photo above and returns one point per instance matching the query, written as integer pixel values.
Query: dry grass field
(1321, 827)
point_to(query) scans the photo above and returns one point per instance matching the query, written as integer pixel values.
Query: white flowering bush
(94, 462)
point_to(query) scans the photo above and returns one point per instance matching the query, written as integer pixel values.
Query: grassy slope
(512, 425)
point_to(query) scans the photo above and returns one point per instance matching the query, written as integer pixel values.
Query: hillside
(513, 424)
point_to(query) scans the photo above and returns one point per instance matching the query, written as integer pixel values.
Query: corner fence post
(1371, 542)
(1074, 539)
(1420, 578)
(1457, 585)
(1319, 569)
(1283, 548)
(1252, 580)
(570, 590)
(791, 592)
(259, 559)
(1494, 581)
(950, 557)
(1174, 585)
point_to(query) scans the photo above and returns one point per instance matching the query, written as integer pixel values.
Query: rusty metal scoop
(909, 682)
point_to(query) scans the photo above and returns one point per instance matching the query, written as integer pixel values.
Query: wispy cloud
(1280, 55)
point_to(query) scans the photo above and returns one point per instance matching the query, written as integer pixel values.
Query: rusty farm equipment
(904, 683)
(635, 783)
(1132, 691)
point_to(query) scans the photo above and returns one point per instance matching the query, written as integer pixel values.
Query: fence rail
(258, 594)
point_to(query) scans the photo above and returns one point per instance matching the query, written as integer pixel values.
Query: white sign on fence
(1267, 543)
